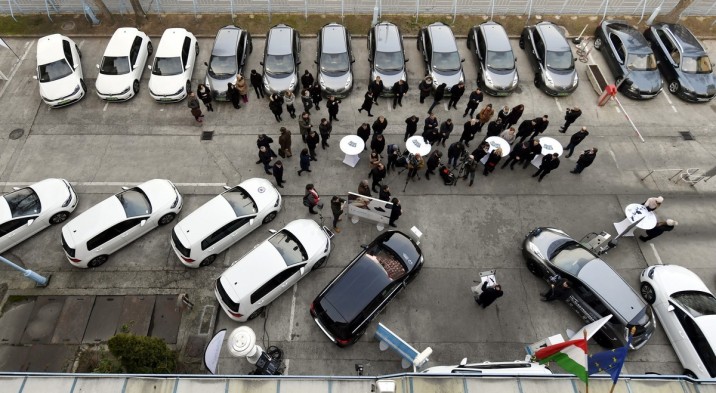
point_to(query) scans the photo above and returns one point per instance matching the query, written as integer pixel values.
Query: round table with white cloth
(417, 145)
(352, 145)
(495, 142)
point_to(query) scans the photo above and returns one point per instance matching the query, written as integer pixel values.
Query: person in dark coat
(378, 144)
(445, 130)
(232, 94)
(395, 212)
(337, 210)
(425, 87)
(473, 102)
(541, 124)
(494, 128)
(304, 125)
(585, 159)
(525, 130)
(306, 100)
(431, 124)
(316, 95)
(503, 115)
(379, 125)
(492, 160)
(364, 133)
(489, 295)
(437, 96)
(332, 105)
(482, 150)
(193, 104)
(312, 141)
(312, 199)
(307, 80)
(560, 290)
(661, 227)
(367, 103)
(376, 87)
(470, 169)
(257, 81)
(570, 117)
(325, 129)
(456, 92)
(535, 149)
(399, 89)
(384, 194)
(393, 154)
(364, 189)
(576, 139)
(305, 161)
(515, 115)
(265, 156)
(431, 136)
(377, 174)
(411, 126)
(549, 163)
(204, 94)
(278, 173)
(520, 151)
(469, 130)
(276, 106)
(265, 141)
(284, 141)
(455, 151)
(433, 163)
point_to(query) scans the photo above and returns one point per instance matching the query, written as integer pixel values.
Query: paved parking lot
(100, 147)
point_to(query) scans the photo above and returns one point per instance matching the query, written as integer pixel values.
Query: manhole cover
(70, 25)
(686, 135)
(17, 133)
(207, 135)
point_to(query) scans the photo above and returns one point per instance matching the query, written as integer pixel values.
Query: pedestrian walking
(456, 92)
(515, 115)
(332, 105)
(242, 87)
(653, 203)
(446, 128)
(264, 140)
(559, 290)
(306, 100)
(521, 151)
(426, 87)
(278, 173)
(576, 139)
(541, 124)
(316, 95)
(437, 96)
(284, 141)
(433, 163)
(377, 144)
(415, 163)
(304, 161)
(525, 129)
(304, 125)
(204, 94)
(276, 106)
(486, 114)
(364, 188)
(377, 175)
(364, 133)
(549, 163)
(384, 194)
(337, 210)
(661, 227)
(311, 199)
(325, 129)
(509, 135)
(470, 169)
(232, 94)
(399, 89)
(492, 160)
(376, 88)
(504, 115)
(265, 156)
(395, 212)
(307, 79)
(367, 103)
(469, 129)
(570, 117)
(393, 153)
(454, 153)
(585, 159)
(473, 102)
(258, 83)
(535, 149)
(312, 141)
(193, 104)
(494, 128)
(289, 99)
(379, 125)
(489, 294)
(411, 126)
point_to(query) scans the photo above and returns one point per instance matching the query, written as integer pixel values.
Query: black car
(496, 64)
(282, 56)
(597, 290)
(551, 58)
(442, 59)
(683, 62)
(629, 56)
(386, 55)
(346, 306)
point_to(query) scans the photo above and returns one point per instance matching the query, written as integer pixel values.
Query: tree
(137, 7)
(143, 355)
(103, 7)
(674, 15)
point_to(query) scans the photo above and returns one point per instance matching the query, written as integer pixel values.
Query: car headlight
(531, 247)
(462, 78)
(515, 80)
(650, 273)
(576, 80)
(278, 199)
(548, 80)
(321, 81)
(488, 79)
(349, 81)
(76, 90)
(435, 82)
(69, 198)
(179, 91)
(292, 84)
(125, 91)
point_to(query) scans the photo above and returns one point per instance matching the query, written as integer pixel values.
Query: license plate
(562, 94)
(501, 94)
(63, 102)
(165, 99)
(112, 98)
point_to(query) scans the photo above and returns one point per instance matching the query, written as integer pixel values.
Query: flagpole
(586, 354)
(5, 44)
(631, 334)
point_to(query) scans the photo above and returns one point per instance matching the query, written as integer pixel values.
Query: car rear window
(135, 202)
(69, 250)
(233, 306)
(178, 244)
(23, 202)
(240, 201)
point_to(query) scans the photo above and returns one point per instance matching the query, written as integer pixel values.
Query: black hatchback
(349, 303)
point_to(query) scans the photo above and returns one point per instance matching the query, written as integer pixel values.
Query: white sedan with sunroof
(225, 219)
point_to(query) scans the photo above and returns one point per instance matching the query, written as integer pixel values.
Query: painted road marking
(556, 101)
(614, 157)
(656, 254)
(293, 312)
(17, 67)
(105, 106)
(666, 95)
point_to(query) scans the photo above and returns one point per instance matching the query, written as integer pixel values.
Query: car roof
(495, 37)
(689, 43)
(252, 270)
(553, 38)
(93, 221)
(387, 37)
(279, 40)
(226, 41)
(121, 42)
(49, 48)
(611, 287)
(171, 42)
(309, 234)
(630, 36)
(441, 36)
(333, 38)
(205, 220)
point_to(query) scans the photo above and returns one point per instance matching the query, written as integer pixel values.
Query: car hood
(672, 279)
(337, 82)
(562, 79)
(701, 84)
(262, 192)
(219, 85)
(389, 79)
(113, 84)
(450, 79)
(93, 221)
(309, 234)
(646, 81)
(161, 193)
(52, 192)
(166, 85)
(203, 221)
(501, 79)
(60, 88)
(254, 269)
(281, 82)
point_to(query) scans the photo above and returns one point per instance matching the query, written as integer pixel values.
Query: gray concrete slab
(47, 358)
(73, 320)
(136, 314)
(14, 358)
(166, 318)
(42, 322)
(13, 321)
(102, 323)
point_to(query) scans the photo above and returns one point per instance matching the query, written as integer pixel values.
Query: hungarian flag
(570, 355)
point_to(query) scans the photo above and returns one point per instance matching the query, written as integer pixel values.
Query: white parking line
(616, 108)
(556, 101)
(293, 311)
(666, 95)
(80, 44)
(285, 370)
(17, 67)
(614, 157)
(656, 254)
(105, 106)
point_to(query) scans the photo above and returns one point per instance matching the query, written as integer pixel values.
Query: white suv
(517, 367)
(59, 71)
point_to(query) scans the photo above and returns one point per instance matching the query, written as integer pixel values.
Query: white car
(224, 220)
(687, 310)
(59, 71)
(123, 64)
(173, 66)
(257, 279)
(518, 367)
(91, 237)
(26, 211)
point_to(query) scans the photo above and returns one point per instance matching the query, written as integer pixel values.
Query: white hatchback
(59, 71)
(173, 66)
(687, 311)
(517, 367)
(254, 281)
(123, 64)
(106, 227)
(225, 219)
(26, 211)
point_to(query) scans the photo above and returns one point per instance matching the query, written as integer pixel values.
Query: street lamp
(38, 279)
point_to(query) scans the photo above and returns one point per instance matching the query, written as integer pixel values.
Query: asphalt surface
(101, 147)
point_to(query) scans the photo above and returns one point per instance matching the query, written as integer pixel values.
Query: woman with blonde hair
(492, 160)
(243, 88)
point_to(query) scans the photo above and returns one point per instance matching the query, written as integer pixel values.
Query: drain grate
(207, 135)
(16, 133)
(687, 135)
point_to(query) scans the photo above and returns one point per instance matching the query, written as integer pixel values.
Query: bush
(143, 355)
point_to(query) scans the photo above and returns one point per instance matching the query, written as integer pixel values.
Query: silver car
(386, 55)
(496, 73)
(335, 59)
(232, 47)
(281, 59)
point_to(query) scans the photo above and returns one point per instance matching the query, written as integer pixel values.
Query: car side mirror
(97, 66)
(227, 188)
(125, 188)
(302, 270)
(34, 77)
(298, 62)
(315, 61)
(75, 67)
(364, 246)
(670, 308)
(463, 361)
(30, 221)
(272, 230)
(462, 60)
(407, 60)
(187, 67)
(15, 188)
(251, 221)
(141, 223)
(206, 64)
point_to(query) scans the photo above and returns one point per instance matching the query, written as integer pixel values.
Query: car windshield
(560, 60)
(288, 246)
(23, 202)
(571, 257)
(54, 71)
(333, 63)
(279, 64)
(222, 67)
(696, 303)
(500, 60)
(641, 62)
(387, 259)
(446, 61)
(114, 65)
(696, 65)
(135, 203)
(240, 201)
(167, 66)
(389, 61)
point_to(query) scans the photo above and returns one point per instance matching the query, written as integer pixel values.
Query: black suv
(683, 61)
(551, 58)
(597, 290)
(346, 306)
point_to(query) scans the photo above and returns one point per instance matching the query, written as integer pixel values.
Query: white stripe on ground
(105, 106)
(17, 67)
(666, 95)
(656, 254)
(293, 312)
(556, 101)
(614, 157)
(80, 44)
(285, 370)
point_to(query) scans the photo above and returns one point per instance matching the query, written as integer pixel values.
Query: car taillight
(312, 309)
(342, 342)
(235, 314)
(75, 260)
(188, 260)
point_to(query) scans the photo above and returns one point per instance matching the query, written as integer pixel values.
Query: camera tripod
(407, 178)
(461, 166)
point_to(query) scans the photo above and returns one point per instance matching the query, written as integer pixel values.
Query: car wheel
(208, 260)
(167, 218)
(647, 292)
(83, 85)
(522, 42)
(188, 87)
(674, 87)
(256, 313)
(534, 268)
(269, 217)
(135, 86)
(598, 43)
(98, 261)
(150, 49)
(319, 264)
(59, 217)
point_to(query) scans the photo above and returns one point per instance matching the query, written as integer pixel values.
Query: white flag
(591, 328)
(3, 43)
